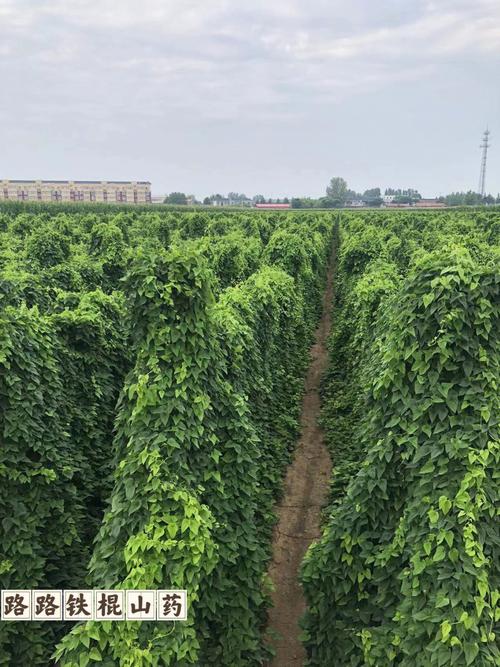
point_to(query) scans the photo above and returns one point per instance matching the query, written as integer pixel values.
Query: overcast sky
(255, 96)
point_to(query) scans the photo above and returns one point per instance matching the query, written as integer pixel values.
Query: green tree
(178, 198)
(372, 197)
(329, 202)
(372, 193)
(337, 189)
(351, 194)
(472, 198)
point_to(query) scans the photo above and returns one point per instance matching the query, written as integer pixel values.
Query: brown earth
(305, 493)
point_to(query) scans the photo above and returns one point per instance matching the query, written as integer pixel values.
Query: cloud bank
(174, 88)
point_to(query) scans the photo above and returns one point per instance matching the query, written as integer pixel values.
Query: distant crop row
(408, 569)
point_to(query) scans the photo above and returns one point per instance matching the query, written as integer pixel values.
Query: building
(429, 203)
(220, 201)
(118, 192)
(273, 206)
(240, 200)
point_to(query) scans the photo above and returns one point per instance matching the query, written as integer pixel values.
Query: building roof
(272, 206)
(80, 182)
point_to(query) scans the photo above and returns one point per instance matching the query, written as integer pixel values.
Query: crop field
(152, 367)
(408, 569)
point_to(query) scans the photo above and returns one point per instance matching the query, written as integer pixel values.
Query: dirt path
(305, 493)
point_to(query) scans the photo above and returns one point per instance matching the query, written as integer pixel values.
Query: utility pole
(484, 158)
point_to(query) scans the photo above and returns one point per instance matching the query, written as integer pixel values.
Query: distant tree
(286, 200)
(304, 202)
(372, 197)
(472, 198)
(217, 197)
(469, 198)
(330, 202)
(372, 193)
(454, 199)
(207, 201)
(410, 195)
(337, 189)
(178, 198)
(258, 199)
(237, 197)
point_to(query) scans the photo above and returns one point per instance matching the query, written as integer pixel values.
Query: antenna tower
(484, 158)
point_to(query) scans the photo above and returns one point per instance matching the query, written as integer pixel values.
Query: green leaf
(445, 630)
(471, 649)
(172, 529)
(442, 602)
(444, 504)
(95, 654)
(485, 413)
(439, 554)
(433, 515)
(428, 299)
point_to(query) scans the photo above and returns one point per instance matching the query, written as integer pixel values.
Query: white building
(158, 199)
(220, 201)
(120, 192)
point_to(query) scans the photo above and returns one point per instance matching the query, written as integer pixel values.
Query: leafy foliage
(407, 571)
(203, 336)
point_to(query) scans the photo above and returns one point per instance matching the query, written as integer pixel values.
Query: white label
(46, 605)
(79, 605)
(16, 605)
(141, 605)
(109, 605)
(172, 605)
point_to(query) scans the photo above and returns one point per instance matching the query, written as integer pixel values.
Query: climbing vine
(407, 570)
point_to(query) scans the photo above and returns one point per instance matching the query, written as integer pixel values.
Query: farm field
(408, 568)
(151, 368)
(152, 372)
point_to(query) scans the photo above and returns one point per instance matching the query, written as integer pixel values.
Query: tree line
(337, 195)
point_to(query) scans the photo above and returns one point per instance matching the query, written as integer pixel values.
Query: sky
(269, 97)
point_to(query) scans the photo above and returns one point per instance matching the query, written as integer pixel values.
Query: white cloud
(161, 64)
(429, 36)
(227, 47)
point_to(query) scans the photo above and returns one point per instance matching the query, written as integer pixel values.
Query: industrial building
(118, 192)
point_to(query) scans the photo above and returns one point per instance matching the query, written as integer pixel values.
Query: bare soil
(305, 493)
